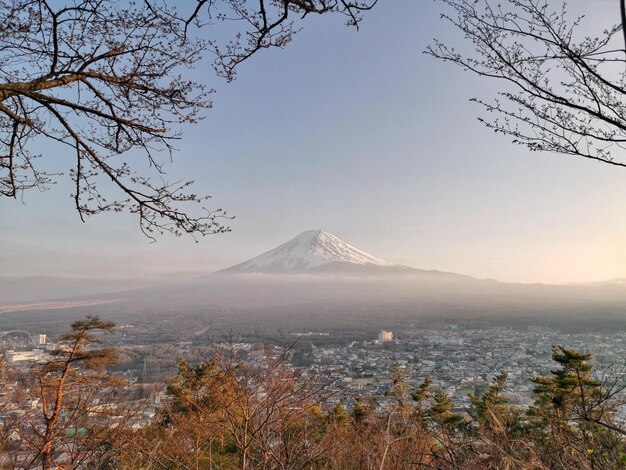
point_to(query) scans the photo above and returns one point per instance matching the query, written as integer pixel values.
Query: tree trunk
(46, 453)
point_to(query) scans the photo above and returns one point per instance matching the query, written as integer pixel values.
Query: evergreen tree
(442, 411)
(572, 415)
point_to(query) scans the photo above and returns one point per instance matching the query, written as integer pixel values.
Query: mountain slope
(309, 251)
(323, 254)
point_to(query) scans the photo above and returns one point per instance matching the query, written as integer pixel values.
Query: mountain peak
(312, 234)
(310, 250)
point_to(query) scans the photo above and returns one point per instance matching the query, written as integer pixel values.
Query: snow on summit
(308, 251)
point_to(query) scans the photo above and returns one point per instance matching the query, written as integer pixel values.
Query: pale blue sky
(362, 135)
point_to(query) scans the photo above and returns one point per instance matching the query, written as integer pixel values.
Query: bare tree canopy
(562, 91)
(106, 81)
(267, 23)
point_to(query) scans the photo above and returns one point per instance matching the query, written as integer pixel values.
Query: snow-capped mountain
(311, 251)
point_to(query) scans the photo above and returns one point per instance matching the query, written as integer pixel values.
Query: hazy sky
(362, 135)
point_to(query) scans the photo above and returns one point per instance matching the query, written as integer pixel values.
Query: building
(385, 336)
(16, 357)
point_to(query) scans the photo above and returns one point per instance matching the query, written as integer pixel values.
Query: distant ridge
(321, 253)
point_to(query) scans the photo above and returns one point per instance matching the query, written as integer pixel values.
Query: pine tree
(572, 415)
(69, 384)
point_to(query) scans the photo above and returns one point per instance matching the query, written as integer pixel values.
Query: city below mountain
(321, 253)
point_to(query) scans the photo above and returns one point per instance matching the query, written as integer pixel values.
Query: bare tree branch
(561, 91)
(106, 81)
